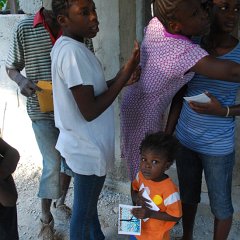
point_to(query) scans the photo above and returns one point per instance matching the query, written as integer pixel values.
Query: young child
(210, 146)
(169, 60)
(83, 110)
(158, 152)
(8, 194)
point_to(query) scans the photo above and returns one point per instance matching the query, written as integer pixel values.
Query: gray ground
(27, 176)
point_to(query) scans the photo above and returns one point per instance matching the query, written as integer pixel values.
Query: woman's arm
(215, 68)
(214, 107)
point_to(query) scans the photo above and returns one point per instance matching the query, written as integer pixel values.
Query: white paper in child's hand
(153, 206)
(200, 98)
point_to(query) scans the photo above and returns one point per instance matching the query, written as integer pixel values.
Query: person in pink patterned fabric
(169, 60)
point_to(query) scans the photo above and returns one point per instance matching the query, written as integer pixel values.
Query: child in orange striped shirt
(157, 155)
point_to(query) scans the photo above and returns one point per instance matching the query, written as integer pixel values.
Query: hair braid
(165, 10)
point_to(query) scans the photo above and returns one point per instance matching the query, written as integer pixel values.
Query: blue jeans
(85, 224)
(132, 237)
(218, 174)
(46, 135)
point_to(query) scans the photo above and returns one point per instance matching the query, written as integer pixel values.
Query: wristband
(228, 110)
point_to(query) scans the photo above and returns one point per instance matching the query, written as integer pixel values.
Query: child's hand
(141, 201)
(135, 76)
(214, 107)
(141, 213)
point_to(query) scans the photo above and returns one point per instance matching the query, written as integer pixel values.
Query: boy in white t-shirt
(83, 111)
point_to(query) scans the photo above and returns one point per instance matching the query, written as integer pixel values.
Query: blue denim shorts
(65, 168)
(46, 135)
(218, 174)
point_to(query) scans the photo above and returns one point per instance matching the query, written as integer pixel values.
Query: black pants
(8, 223)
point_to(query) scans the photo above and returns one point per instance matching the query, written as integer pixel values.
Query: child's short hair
(161, 143)
(60, 7)
(165, 10)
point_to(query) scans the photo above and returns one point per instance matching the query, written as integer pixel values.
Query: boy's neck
(67, 34)
(161, 178)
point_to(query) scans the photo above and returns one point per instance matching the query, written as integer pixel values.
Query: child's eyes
(154, 162)
(225, 8)
(143, 159)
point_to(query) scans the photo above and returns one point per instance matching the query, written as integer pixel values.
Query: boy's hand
(141, 201)
(141, 213)
(27, 87)
(134, 60)
(214, 107)
(135, 76)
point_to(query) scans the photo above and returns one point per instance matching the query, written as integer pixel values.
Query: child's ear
(175, 27)
(167, 165)
(62, 20)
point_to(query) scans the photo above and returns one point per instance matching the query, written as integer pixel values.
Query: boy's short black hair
(161, 143)
(60, 7)
(165, 10)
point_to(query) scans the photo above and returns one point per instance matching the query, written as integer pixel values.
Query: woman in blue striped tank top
(206, 131)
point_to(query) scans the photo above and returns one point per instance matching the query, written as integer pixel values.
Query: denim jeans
(85, 224)
(132, 237)
(218, 174)
(46, 135)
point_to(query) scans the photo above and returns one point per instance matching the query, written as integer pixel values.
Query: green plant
(2, 3)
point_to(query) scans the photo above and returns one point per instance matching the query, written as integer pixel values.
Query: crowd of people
(188, 49)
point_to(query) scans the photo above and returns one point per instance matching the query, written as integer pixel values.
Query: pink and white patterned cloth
(165, 61)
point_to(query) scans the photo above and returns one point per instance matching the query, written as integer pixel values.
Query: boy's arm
(133, 79)
(92, 106)
(175, 110)
(8, 192)
(142, 213)
(134, 195)
(27, 87)
(9, 159)
(163, 216)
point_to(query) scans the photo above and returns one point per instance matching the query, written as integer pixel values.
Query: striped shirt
(209, 134)
(30, 49)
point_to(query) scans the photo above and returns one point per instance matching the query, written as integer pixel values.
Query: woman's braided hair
(165, 10)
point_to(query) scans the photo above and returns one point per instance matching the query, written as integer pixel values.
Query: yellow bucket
(45, 97)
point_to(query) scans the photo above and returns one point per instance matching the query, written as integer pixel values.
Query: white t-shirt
(88, 147)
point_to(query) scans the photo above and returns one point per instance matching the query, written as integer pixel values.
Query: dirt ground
(27, 177)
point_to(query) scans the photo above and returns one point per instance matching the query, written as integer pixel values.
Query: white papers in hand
(201, 98)
(152, 206)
